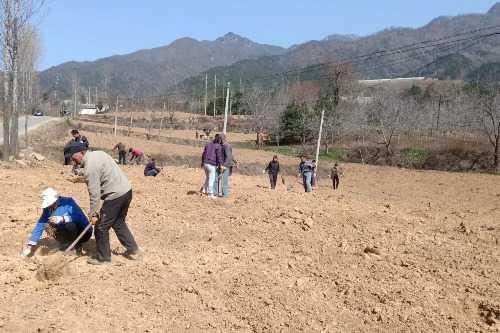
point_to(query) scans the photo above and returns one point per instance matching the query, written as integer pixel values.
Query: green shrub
(414, 158)
(334, 154)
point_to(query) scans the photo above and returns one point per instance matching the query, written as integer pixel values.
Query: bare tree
(335, 98)
(258, 101)
(16, 17)
(386, 114)
(486, 103)
(29, 55)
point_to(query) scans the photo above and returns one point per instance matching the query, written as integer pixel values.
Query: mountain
(441, 57)
(182, 64)
(449, 67)
(340, 38)
(487, 74)
(148, 72)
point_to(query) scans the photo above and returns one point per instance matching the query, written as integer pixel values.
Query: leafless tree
(16, 18)
(487, 111)
(386, 115)
(258, 101)
(341, 82)
(29, 55)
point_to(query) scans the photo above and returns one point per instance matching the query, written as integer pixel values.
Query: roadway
(33, 123)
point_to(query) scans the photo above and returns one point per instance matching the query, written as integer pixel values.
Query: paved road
(33, 123)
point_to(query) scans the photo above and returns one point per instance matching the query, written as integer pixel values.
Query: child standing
(273, 169)
(335, 174)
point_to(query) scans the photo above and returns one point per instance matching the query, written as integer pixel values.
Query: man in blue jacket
(66, 218)
(306, 170)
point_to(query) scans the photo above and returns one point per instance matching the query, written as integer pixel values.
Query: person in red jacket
(136, 156)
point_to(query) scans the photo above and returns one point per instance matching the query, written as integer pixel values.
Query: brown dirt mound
(53, 268)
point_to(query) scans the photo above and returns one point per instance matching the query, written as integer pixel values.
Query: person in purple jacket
(210, 162)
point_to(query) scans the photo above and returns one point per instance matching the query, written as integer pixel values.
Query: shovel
(55, 267)
(72, 245)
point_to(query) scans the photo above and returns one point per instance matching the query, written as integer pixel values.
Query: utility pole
(226, 108)
(88, 102)
(106, 87)
(319, 138)
(116, 113)
(230, 104)
(131, 119)
(215, 94)
(96, 96)
(74, 97)
(161, 119)
(206, 92)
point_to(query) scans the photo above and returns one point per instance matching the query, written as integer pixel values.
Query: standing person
(226, 169)
(122, 153)
(211, 160)
(106, 181)
(273, 169)
(77, 137)
(335, 174)
(151, 170)
(306, 170)
(66, 219)
(136, 155)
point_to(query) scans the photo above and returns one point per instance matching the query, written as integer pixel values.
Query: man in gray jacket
(107, 182)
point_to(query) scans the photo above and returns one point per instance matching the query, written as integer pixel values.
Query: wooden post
(226, 109)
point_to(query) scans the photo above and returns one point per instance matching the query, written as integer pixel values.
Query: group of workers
(110, 194)
(307, 170)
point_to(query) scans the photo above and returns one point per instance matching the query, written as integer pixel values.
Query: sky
(92, 29)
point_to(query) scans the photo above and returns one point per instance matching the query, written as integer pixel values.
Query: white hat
(49, 197)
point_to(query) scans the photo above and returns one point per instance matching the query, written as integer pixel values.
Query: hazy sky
(91, 29)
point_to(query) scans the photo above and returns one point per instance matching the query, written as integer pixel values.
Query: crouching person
(64, 217)
(151, 170)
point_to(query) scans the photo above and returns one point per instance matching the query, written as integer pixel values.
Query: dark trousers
(69, 232)
(152, 173)
(336, 182)
(273, 178)
(122, 157)
(113, 215)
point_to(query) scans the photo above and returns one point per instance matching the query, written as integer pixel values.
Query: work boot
(134, 255)
(96, 262)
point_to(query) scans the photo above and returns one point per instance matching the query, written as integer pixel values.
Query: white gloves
(56, 219)
(26, 252)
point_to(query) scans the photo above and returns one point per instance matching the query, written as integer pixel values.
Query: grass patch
(283, 150)
(334, 154)
(414, 158)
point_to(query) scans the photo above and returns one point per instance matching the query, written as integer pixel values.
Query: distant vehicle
(38, 113)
